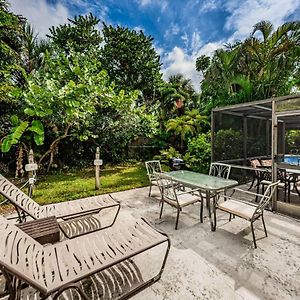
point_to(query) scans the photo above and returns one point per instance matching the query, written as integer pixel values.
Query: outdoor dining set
(262, 176)
(182, 188)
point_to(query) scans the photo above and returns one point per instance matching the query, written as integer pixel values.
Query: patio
(222, 264)
(218, 265)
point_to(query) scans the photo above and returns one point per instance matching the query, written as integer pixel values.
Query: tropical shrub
(198, 155)
(293, 140)
(166, 155)
(228, 144)
(66, 95)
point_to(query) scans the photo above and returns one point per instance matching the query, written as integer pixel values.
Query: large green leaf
(29, 112)
(38, 132)
(39, 139)
(14, 137)
(14, 120)
(37, 127)
(6, 144)
(19, 130)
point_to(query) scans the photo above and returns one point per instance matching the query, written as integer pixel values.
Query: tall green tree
(184, 87)
(274, 56)
(64, 95)
(12, 73)
(80, 34)
(34, 49)
(131, 61)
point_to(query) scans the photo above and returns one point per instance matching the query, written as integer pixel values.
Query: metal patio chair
(265, 178)
(103, 209)
(246, 210)
(112, 255)
(152, 166)
(218, 170)
(171, 195)
(254, 163)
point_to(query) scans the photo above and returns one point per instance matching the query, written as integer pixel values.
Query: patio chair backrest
(166, 187)
(255, 163)
(153, 166)
(266, 198)
(266, 162)
(267, 174)
(220, 170)
(19, 199)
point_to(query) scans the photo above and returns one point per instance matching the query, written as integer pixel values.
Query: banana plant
(23, 130)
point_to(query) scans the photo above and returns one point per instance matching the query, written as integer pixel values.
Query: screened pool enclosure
(264, 131)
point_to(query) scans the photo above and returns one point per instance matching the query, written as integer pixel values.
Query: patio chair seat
(183, 200)
(177, 195)
(246, 210)
(238, 208)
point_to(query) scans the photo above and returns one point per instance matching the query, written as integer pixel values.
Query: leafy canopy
(80, 35)
(131, 61)
(262, 66)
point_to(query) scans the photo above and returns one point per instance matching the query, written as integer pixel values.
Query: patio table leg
(209, 210)
(215, 214)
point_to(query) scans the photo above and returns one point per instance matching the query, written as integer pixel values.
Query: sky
(182, 29)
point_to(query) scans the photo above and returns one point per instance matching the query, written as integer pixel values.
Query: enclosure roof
(262, 109)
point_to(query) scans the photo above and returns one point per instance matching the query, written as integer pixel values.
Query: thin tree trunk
(52, 148)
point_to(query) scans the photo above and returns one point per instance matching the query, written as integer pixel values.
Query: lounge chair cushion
(238, 208)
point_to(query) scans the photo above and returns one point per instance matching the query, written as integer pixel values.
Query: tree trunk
(53, 147)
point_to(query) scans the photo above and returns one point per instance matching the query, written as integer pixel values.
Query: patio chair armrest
(239, 200)
(190, 191)
(247, 192)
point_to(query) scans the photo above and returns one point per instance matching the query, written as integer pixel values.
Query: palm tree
(185, 89)
(188, 124)
(272, 58)
(264, 65)
(181, 126)
(34, 49)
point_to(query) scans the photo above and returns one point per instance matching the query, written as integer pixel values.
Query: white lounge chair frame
(53, 269)
(64, 211)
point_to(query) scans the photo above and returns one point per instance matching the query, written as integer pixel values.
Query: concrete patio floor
(222, 264)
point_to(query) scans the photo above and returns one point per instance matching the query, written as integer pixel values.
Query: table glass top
(203, 181)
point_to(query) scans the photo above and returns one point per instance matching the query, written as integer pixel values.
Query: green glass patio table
(211, 185)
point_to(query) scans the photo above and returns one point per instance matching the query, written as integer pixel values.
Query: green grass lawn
(64, 186)
(68, 185)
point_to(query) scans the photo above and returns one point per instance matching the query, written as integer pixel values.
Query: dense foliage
(79, 35)
(83, 87)
(131, 61)
(262, 66)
